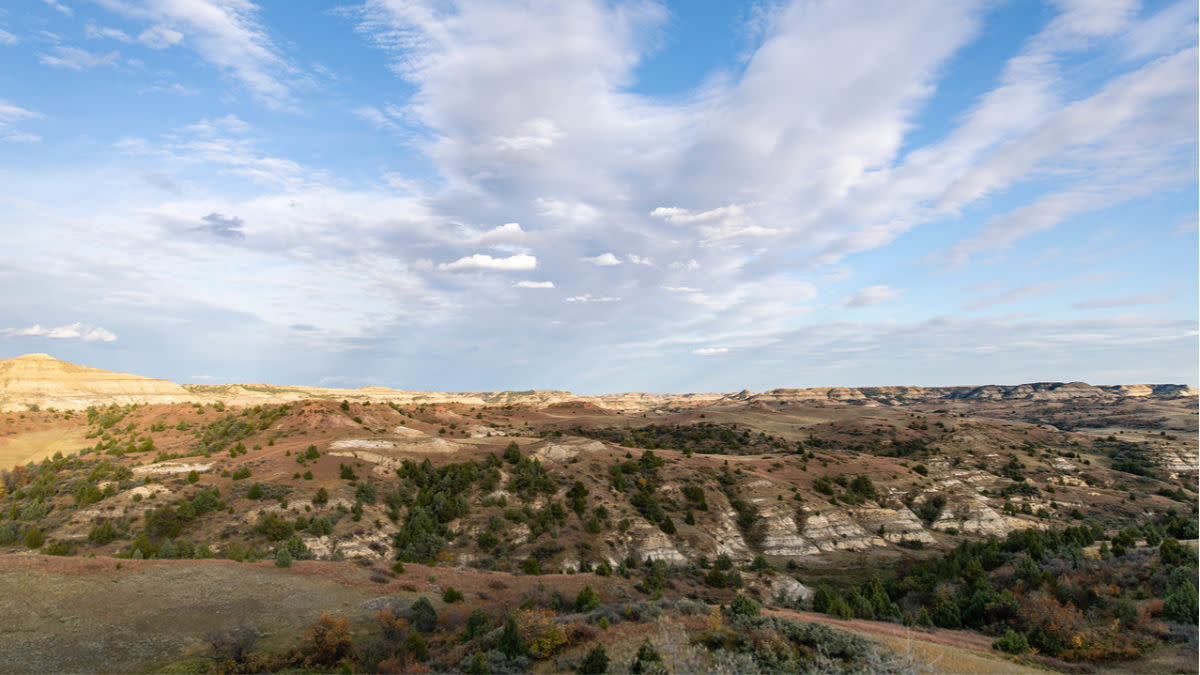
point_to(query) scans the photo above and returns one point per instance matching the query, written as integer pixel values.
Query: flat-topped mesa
(40, 379)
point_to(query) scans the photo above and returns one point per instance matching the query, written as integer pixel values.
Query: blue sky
(602, 196)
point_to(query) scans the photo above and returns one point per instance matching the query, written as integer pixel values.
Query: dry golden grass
(34, 446)
(939, 658)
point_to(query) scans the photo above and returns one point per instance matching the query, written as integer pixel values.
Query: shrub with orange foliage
(393, 627)
(327, 641)
(1053, 626)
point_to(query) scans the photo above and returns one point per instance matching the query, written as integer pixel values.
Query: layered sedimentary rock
(972, 516)
(39, 379)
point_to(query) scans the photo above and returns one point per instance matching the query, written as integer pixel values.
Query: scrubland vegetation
(687, 526)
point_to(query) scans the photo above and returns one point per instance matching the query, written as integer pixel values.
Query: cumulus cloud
(639, 260)
(535, 284)
(74, 331)
(508, 233)
(872, 295)
(517, 263)
(603, 260)
(711, 351)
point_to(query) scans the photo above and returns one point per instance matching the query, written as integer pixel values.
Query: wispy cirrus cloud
(60, 7)
(10, 115)
(75, 58)
(228, 35)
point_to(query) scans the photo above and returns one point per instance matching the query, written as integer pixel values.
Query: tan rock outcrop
(40, 379)
(893, 525)
(971, 516)
(835, 530)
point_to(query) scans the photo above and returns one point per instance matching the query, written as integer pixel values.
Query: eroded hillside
(794, 502)
(573, 487)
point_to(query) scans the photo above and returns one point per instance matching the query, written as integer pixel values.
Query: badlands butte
(846, 501)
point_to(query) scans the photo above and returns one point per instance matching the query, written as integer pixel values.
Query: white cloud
(10, 115)
(639, 260)
(681, 289)
(160, 37)
(7, 38)
(225, 143)
(77, 59)
(171, 88)
(872, 295)
(63, 9)
(572, 213)
(478, 261)
(529, 140)
(508, 233)
(225, 33)
(688, 266)
(587, 297)
(726, 222)
(228, 124)
(535, 284)
(93, 31)
(711, 351)
(75, 331)
(603, 260)
(378, 118)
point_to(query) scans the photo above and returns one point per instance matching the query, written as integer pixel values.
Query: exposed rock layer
(39, 379)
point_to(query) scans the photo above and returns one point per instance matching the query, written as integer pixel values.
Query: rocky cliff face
(39, 379)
